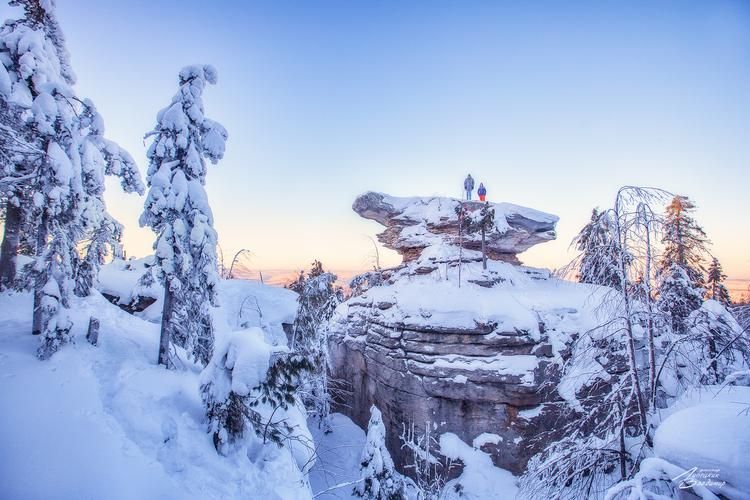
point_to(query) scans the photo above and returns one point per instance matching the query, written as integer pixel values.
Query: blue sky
(552, 104)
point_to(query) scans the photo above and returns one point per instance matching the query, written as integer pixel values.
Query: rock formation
(475, 358)
(414, 224)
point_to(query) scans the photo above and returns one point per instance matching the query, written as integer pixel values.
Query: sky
(553, 105)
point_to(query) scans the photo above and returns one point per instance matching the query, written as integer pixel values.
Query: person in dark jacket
(468, 186)
(482, 192)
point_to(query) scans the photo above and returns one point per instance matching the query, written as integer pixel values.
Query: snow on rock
(472, 356)
(415, 223)
(480, 479)
(242, 303)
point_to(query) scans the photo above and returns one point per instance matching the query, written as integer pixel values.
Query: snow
(531, 413)
(522, 365)
(486, 438)
(107, 422)
(710, 429)
(480, 479)
(242, 303)
(246, 354)
(435, 208)
(339, 453)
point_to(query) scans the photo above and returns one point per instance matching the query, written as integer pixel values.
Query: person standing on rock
(468, 186)
(482, 191)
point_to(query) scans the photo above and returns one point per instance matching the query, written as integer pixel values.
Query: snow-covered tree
(482, 221)
(598, 263)
(378, 477)
(58, 147)
(681, 271)
(633, 361)
(715, 288)
(363, 282)
(608, 373)
(20, 155)
(35, 89)
(678, 296)
(100, 157)
(105, 239)
(232, 393)
(318, 298)
(177, 210)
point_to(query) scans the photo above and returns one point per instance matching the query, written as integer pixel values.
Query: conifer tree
(378, 477)
(715, 288)
(680, 272)
(177, 210)
(37, 90)
(232, 394)
(482, 221)
(56, 166)
(318, 298)
(102, 233)
(599, 261)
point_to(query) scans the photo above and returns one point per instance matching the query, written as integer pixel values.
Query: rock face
(476, 359)
(414, 224)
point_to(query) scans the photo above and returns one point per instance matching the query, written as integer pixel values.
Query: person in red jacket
(482, 192)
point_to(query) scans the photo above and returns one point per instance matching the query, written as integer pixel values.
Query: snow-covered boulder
(479, 356)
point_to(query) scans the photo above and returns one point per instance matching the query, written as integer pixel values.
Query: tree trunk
(166, 327)
(623, 450)
(41, 279)
(630, 341)
(460, 243)
(650, 324)
(93, 333)
(484, 253)
(9, 248)
(713, 367)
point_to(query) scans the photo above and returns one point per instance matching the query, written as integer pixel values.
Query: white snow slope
(107, 423)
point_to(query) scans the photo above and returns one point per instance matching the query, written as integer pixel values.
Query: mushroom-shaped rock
(416, 223)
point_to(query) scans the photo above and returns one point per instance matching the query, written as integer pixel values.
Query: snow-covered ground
(709, 429)
(338, 462)
(242, 303)
(106, 422)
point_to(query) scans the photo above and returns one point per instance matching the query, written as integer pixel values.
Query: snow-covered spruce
(598, 262)
(378, 477)
(681, 270)
(102, 232)
(177, 209)
(56, 174)
(318, 298)
(247, 386)
(715, 288)
(481, 221)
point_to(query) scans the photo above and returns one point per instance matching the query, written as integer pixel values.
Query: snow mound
(711, 431)
(242, 303)
(480, 479)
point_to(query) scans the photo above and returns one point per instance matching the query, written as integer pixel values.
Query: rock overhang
(414, 224)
